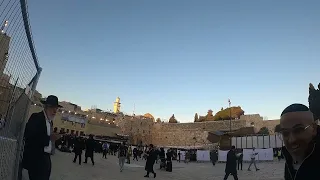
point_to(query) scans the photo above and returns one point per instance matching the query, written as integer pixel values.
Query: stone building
(6, 88)
(4, 51)
(139, 128)
(72, 120)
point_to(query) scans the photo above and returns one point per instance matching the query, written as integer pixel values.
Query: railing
(19, 74)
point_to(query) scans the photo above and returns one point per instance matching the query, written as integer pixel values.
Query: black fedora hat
(51, 101)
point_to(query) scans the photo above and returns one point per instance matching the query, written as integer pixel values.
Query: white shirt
(48, 149)
(253, 155)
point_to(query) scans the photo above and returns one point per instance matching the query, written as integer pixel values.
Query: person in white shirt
(253, 159)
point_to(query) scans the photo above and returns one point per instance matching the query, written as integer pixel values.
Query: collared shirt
(48, 149)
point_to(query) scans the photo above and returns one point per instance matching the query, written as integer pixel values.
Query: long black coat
(78, 146)
(35, 138)
(90, 144)
(231, 166)
(151, 159)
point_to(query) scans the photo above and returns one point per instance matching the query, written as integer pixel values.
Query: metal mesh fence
(19, 72)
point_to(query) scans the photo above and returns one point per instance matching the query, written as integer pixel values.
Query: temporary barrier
(262, 155)
(203, 155)
(260, 142)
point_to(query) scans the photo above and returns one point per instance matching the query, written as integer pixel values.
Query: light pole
(230, 113)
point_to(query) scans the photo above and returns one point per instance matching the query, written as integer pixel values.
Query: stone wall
(190, 134)
(271, 124)
(139, 128)
(186, 134)
(145, 130)
(102, 130)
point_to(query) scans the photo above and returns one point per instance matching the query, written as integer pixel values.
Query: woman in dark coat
(231, 165)
(151, 158)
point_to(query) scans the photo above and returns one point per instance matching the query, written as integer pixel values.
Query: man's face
(51, 111)
(298, 129)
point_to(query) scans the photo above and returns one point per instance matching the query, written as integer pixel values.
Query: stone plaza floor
(107, 169)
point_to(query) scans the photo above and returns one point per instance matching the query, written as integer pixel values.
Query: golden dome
(148, 115)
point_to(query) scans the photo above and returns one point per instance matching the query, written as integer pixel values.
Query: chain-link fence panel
(19, 72)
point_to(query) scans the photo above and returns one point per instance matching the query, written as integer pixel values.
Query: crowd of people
(298, 129)
(151, 154)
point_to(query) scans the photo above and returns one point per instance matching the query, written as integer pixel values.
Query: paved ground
(64, 169)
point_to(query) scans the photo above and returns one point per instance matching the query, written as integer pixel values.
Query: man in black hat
(231, 165)
(301, 137)
(38, 145)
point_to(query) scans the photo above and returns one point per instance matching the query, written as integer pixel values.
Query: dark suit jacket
(231, 165)
(90, 144)
(36, 138)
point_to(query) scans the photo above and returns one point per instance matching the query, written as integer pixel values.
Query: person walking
(213, 157)
(90, 144)
(231, 165)
(169, 160)
(122, 154)
(38, 140)
(105, 148)
(129, 154)
(78, 147)
(179, 156)
(151, 158)
(279, 154)
(162, 156)
(135, 154)
(240, 159)
(253, 159)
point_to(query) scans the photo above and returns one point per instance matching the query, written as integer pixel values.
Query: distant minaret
(116, 105)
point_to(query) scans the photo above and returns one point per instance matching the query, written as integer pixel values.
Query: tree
(224, 114)
(314, 101)
(196, 118)
(158, 120)
(277, 128)
(173, 119)
(264, 131)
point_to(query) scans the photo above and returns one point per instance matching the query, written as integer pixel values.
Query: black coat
(90, 144)
(309, 169)
(78, 146)
(231, 166)
(151, 159)
(35, 138)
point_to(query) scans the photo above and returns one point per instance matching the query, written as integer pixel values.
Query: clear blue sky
(178, 56)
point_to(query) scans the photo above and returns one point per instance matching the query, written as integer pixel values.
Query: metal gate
(19, 74)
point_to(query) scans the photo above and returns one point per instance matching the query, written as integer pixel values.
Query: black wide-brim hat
(51, 101)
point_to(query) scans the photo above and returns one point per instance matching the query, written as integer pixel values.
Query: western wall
(185, 134)
(145, 130)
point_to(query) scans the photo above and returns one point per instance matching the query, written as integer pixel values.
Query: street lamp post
(230, 114)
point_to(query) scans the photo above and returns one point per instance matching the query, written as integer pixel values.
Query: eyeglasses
(296, 131)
